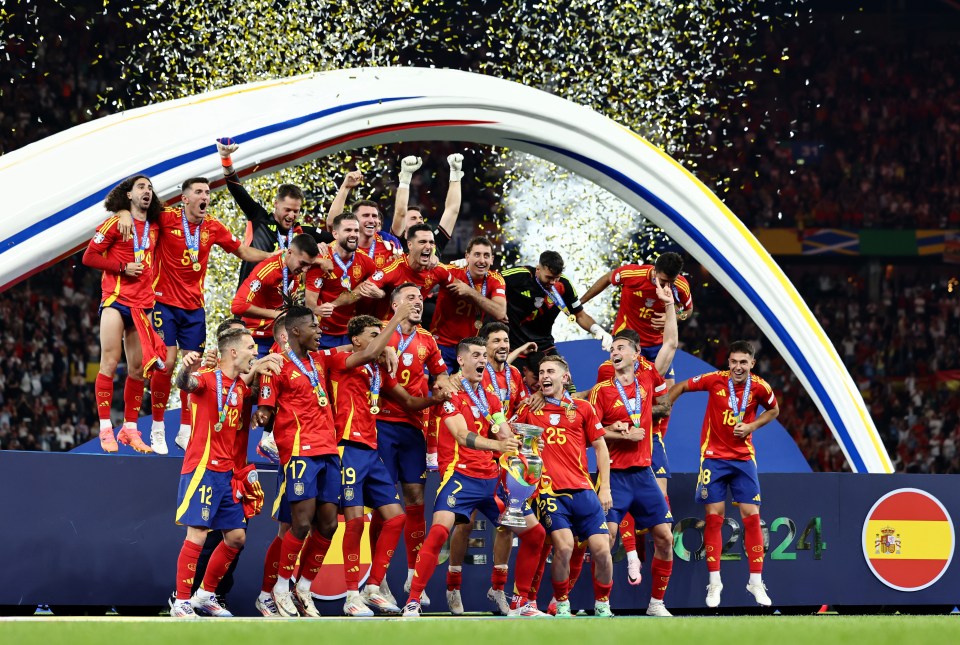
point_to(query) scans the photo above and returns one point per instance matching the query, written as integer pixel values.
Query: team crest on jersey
(204, 236)
(255, 286)
(357, 272)
(554, 419)
(348, 493)
(318, 283)
(380, 262)
(451, 501)
(649, 302)
(407, 359)
(205, 513)
(265, 392)
(428, 281)
(449, 408)
(537, 302)
(98, 238)
(422, 352)
(298, 489)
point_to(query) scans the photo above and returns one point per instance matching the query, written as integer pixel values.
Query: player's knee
(108, 366)
(236, 539)
(412, 494)
(327, 527)
(662, 540)
(564, 551)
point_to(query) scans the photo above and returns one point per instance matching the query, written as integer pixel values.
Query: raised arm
(676, 390)
(186, 379)
(250, 207)
(250, 254)
(408, 166)
(597, 288)
(352, 179)
(670, 333)
(451, 209)
(378, 344)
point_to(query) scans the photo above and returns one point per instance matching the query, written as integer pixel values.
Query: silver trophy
(521, 474)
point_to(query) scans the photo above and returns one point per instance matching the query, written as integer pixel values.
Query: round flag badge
(908, 539)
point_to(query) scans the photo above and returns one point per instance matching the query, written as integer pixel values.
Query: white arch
(54, 189)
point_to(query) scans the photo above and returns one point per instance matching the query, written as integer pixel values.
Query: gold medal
(572, 318)
(196, 266)
(322, 400)
(217, 427)
(374, 409)
(478, 324)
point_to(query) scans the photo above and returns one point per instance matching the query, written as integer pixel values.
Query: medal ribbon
(345, 279)
(313, 377)
(284, 244)
(483, 293)
(221, 401)
(192, 241)
(141, 245)
(503, 395)
(375, 380)
(739, 410)
(479, 400)
(554, 296)
(404, 342)
(566, 402)
(633, 411)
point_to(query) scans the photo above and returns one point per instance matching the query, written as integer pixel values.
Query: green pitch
(818, 630)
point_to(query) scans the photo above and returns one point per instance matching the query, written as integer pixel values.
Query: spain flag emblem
(908, 539)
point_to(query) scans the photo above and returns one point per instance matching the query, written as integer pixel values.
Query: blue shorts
(264, 343)
(281, 505)
(125, 314)
(183, 328)
(365, 480)
(716, 475)
(635, 491)
(650, 353)
(403, 450)
(462, 495)
(316, 477)
(659, 463)
(329, 342)
(449, 354)
(207, 501)
(579, 511)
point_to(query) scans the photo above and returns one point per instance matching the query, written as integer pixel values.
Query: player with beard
(207, 498)
(418, 266)
(406, 215)
(333, 294)
(400, 432)
(475, 424)
(728, 460)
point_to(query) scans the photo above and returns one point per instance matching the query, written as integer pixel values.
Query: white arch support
(53, 189)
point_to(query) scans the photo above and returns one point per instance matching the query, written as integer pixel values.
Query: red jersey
(605, 397)
(716, 437)
(350, 387)
(639, 301)
(567, 433)
(175, 283)
(453, 457)
(301, 427)
(209, 448)
(329, 285)
(383, 251)
(263, 288)
(420, 354)
(517, 390)
(117, 287)
(606, 372)
(456, 318)
(400, 272)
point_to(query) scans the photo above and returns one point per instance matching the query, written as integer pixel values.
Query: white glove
(408, 166)
(606, 340)
(226, 146)
(456, 166)
(460, 264)
(432, 464)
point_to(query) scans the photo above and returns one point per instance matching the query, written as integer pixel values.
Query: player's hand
(434, 261)
(367, 289)
(619, 426)
(454, 387)
(606, 499)
(390, 361)
(456, 166)
(125, 225)
(408, 166)
(460, 264)
(606, 341)
(323, 253)
(509, 444)
(528, 348)
(432, 462)
(461, 289)
(269, 364)
(226, 147)
(633, 433)
(353, 179)
(133, 269)
(261, 417)
(404, 309)
(743, 430)
(658, 321)
(536, 401)
(211, 358)
(325, 310)
(664, 291)
(189, 360)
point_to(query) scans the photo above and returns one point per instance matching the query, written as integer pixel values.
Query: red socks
(454, 580)
(186, 567)
(386, 546)
(351, 552)
(753, 541)
(217, 567)
(713, 540)
(538, 576)
(270, 564)
(601, 592)
(660, 570)
(414, 529)
(498, 579)
(528, 557)
(561, 589)
(314, 551)
(427, 560)
(376, 525)
(576, 563)
(289, 552)
(104, 390)
(160, 392)
(628, 533)
(132, 399)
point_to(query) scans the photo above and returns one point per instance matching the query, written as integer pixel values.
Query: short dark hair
(295, 315)
(364, 202)
(670, 264)
(743, 347)
(635, 344)
(492, 327)
(305, 242)
(418, 228)
(532, 362)
(552, 261)
(467, 343)
(228, 324)
(415, 207)
(358, 323)
(628, 334)
(395, 294)
(117, 199)
(341, 218)
(289, 190)
(479, 240)
(185, 186)
(231, 337)
(280, 324)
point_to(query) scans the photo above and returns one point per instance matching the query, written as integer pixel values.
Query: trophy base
(510, 520)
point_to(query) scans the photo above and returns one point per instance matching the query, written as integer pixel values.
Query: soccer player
(728, 459)
(333, 295)
(406, 215)
(268, 232)
(505, 382)
(207, 496)
(371, 242)
(357, 382)
(400, 432)
(536, 296)
(418, 266)
(570, 509)
(475, 428)
(476, 294)
(626, 406)
(126, 306)
(185, 237)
